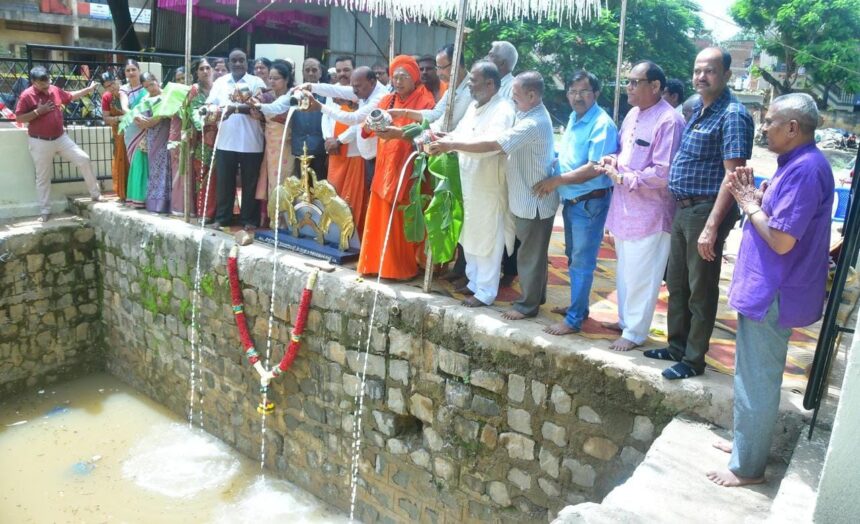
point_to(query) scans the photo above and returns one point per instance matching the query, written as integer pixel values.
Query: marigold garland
(292, 350)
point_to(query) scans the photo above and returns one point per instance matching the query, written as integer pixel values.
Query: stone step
(670, 485)
(795, 500)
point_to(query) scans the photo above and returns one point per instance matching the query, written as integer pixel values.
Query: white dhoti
(640, 269)
(484, 271)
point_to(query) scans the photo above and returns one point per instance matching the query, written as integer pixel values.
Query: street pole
(186, 201)
(449, 111)
(618, 62)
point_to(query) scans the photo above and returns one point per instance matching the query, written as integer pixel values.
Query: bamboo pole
(449, 111)
(618, 62)
(186, 182)
(392, 24)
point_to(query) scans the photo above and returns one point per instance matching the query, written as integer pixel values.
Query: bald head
(363, 82)
(711, 73)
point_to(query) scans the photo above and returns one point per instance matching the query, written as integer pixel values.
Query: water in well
(94, 450)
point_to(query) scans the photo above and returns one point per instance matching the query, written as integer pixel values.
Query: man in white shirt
(366, 90)
(462, 97)
(505, 56)
(240, 142)
(488, 225)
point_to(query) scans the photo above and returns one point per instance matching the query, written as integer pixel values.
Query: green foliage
(825, 34)
(413, 212)
(444, 215)
(657, 30)
(207, 285)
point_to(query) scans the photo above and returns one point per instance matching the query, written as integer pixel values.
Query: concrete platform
(670, 485)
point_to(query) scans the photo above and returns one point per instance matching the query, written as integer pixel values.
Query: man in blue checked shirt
(584, 191)
(718, 138)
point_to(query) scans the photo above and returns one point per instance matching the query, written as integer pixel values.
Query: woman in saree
(111, 114)
(199, 159)
(157, 130)
(131, 94)
(203, 143)
(281, 80)
(400, 260)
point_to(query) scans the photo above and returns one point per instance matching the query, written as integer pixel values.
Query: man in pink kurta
(641, 211)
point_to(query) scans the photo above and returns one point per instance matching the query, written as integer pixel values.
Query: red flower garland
(242, 324)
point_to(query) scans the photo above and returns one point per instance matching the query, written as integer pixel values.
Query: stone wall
(49, 304)
(467, 417)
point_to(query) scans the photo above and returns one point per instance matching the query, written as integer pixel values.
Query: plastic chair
(758, 180)
(840, 211)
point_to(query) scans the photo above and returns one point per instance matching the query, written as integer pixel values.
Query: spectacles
(582, 93)
(442, 68)
(43, 78)
(634, 82)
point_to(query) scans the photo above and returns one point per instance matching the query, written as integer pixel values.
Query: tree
(820, 36)
(657, 30)
(121, 16)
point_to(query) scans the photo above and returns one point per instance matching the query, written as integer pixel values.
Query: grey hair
(489, 71)
(531, 81)
(800, 107)
(507, 51)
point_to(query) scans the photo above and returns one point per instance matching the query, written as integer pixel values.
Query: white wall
(840, 479)
(18, 177)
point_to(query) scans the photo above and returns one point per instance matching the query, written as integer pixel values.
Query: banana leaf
(167, 104)
(444, 215)
(413, 212)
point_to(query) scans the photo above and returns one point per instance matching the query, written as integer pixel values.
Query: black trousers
(227, 164)
(509, 260)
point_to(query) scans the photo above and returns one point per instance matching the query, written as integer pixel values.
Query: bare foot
(513, 314)
(622, 344)
(472, 302)
(728, 479)
(560, 328)
(723, 445)
(561, 310)
(614, 326)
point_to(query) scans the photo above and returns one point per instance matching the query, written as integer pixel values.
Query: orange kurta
(399, 260)
(346, 174)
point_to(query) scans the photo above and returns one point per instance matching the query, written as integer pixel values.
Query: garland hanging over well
(245, 335)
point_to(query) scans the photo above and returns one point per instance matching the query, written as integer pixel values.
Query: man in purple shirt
(780, 276)
(640, 215)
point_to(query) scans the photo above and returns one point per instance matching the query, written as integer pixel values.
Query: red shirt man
(40, 106)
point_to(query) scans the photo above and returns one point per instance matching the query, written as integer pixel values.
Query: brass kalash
(308, 208)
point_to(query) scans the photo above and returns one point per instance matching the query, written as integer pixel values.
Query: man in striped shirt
(529, 146)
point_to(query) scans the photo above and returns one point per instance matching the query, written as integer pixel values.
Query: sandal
(679, 371)
(661, 354)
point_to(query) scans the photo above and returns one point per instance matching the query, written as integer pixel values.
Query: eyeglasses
(582, 93)
(442, 68)
(43, 78)
(634, 82)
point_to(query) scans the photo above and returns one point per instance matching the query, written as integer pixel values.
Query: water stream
(195, 296)
(274, 227)
(359, 400)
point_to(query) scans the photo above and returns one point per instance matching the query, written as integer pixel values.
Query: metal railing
(80, 66)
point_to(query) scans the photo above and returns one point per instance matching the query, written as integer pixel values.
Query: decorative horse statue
(335, 210)
(283, 197)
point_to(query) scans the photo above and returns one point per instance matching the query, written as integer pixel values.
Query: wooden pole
(392, 24)
(449, 111)
(618, 62)
(186, 183)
